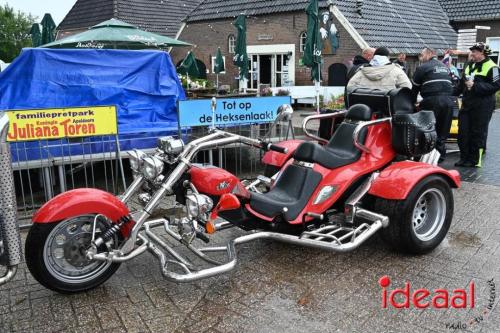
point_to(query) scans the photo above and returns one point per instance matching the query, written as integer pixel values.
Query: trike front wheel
(56, 254)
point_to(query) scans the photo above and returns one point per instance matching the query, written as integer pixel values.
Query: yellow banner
(29, 125)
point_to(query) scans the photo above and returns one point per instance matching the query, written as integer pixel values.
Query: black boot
(469, 164)
(461, 163)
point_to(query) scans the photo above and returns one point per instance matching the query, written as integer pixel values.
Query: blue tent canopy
(142, 84)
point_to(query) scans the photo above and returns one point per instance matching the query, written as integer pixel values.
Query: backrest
(342, 139)
(386, 102)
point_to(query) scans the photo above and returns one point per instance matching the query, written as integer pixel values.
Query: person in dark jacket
(433, 80)
(479, 84)
(360, 60)
(401, 61)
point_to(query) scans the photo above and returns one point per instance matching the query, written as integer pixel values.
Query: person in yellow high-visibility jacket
(480, 82)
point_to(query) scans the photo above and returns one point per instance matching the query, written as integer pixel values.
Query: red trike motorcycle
(331, 195)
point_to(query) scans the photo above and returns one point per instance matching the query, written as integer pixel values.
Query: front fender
(397, 181)
(279, 159)
(81, 202)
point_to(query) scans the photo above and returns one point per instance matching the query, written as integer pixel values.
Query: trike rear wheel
(419, 224)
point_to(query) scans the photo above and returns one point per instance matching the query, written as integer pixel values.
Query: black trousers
(442, 106)
(473, 129)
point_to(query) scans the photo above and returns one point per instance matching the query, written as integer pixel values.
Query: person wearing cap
(480, 82)
(381, 73)
(432, 80)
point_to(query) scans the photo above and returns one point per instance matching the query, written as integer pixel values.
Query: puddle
(464, 239)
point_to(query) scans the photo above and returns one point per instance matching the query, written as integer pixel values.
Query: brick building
(475, 21)
(276, 31)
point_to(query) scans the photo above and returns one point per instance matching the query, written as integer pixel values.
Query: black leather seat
(340, 150)
(292, 191)
(297, 184)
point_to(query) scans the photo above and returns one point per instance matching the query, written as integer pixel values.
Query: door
(253, 71)
(281, 70)
(265, 70)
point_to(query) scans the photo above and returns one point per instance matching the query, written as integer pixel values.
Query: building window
(231, 44)
(494, 43)
(303, 38)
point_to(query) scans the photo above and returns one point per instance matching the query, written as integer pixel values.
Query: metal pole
(62, 180)
(119, 156)
(214, 107)
(318, 86)
(48, 183)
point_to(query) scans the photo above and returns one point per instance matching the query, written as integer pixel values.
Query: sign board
(264, 37)
(230, 111)
(46, 124)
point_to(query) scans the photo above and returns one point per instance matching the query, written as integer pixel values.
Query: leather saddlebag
(414, 134)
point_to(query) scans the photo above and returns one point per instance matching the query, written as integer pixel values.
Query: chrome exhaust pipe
(431, 158)
(11, 272)
(223, 226)
(10, 250)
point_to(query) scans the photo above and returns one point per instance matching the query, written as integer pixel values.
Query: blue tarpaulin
(142, 84)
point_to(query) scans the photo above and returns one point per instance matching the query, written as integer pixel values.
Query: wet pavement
(283, 288)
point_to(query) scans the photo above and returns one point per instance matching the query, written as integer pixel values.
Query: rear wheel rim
(64, 252)
(429, 214)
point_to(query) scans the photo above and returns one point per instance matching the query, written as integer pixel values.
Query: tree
(14, 32)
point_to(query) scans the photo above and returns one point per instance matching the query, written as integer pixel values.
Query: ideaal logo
(422, 298)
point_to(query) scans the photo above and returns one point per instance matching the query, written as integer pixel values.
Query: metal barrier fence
(62, 165)
(98, 162)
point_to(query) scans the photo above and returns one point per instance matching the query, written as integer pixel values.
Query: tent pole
(318, 86)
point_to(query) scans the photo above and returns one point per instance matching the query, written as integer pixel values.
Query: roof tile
(405, 25)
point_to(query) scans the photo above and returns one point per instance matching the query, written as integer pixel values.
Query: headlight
(170, 145)
(199, 206)
(152, 168)
(136, 159)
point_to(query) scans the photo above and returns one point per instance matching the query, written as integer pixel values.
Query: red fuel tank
(212, 181)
